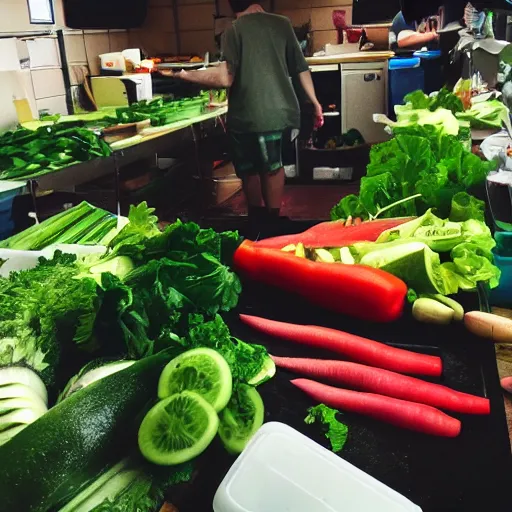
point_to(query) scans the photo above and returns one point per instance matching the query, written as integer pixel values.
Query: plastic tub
(431, 64)
(282, 470)
(405, 76)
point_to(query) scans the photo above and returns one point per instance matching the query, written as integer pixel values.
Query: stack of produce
(160, 111)
(27, 154)
(83, 224)
(483, 114)
(154, 296)
(420, 161)
(378, 388)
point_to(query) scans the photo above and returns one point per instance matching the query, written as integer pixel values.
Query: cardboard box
(223, 185)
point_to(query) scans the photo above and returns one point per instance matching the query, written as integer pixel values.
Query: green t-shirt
(263, 54)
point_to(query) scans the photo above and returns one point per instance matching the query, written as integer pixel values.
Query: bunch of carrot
(382, 392)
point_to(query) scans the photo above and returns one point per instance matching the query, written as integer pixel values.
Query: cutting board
(470, 473)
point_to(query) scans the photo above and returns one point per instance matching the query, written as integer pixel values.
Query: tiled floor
(300, 202)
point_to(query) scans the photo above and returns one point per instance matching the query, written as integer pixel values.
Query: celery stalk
(41, 235)
(82, 227)
(96, 235)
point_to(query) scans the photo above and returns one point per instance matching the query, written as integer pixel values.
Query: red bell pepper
(334, 234)
(355, 290)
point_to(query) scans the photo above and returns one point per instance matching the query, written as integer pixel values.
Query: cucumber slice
(7, 435)
(19, 416)
(178, 429)
(203, 371)
(22, 375)
(241, 419)
(20, 391)
(12, 404)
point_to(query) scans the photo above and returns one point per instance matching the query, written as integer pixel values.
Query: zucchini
(7, 435)
(87, 376)
(108, 486)
(78, 439)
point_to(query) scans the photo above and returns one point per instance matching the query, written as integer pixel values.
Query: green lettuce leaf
(486, 114)
(245, 360)
(421, 159)
(465, 207)
(334, 430)
(472, 264)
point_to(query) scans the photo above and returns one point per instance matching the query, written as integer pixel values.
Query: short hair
(241, 5)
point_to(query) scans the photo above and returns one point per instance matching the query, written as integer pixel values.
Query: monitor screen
(368, 12)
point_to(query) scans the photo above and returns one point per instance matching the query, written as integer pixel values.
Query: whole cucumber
(47, 463)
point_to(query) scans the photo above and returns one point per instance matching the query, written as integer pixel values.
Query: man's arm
(409, 38)
(217, 77)
(307, 84)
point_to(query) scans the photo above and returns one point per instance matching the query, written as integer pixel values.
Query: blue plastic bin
(431, 64)
(405, 75)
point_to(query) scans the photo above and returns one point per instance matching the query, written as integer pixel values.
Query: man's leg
(252, 190)
(272, 187)
(273, 177)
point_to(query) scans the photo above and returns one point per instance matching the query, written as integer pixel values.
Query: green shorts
(258, 153)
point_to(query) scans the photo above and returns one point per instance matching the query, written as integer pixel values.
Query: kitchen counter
(151, 141)
(344, 58)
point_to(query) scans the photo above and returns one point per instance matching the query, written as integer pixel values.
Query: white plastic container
(282, 470)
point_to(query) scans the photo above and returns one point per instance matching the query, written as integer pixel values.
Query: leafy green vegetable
(448, 100)
(159, 112)
(335, 431)
(139, 487)
(27, 154)
(245, 360)
(466, 207)
(486, 114)
(81, 224)
(418, 100)
(410, 252)
(44, 311)
(419, 160)
(443, 99)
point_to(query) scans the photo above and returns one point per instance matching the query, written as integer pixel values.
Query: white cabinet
(358, 90)
(364, 93)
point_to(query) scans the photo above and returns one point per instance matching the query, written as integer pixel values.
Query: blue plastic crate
(432, 65)
(405, 76)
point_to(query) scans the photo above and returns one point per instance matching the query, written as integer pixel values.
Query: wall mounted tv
(368, 12)
(104, 14)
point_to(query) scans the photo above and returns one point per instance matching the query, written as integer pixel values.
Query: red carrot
(354, 347)
(334, 234)
(409, 415)
(384, 382)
